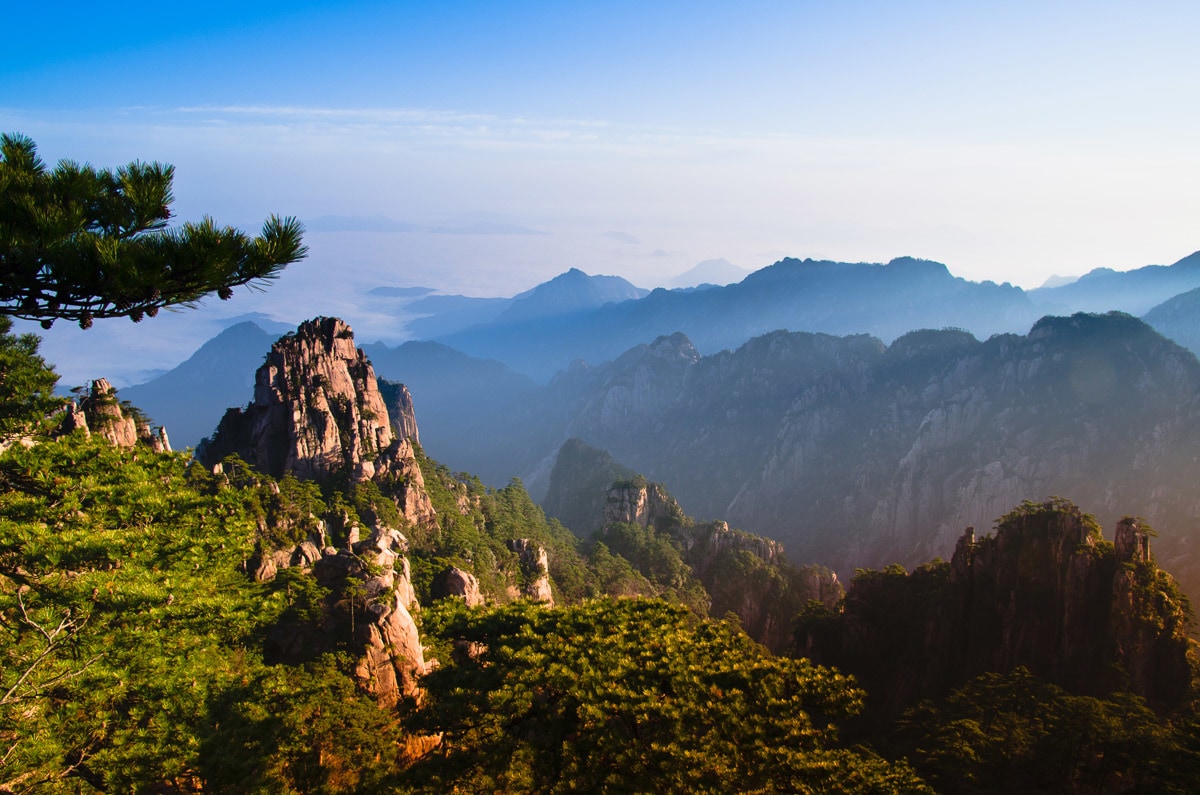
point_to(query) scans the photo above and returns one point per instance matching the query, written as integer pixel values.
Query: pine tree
(82, 243)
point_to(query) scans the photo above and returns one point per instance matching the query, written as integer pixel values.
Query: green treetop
(26, 383)
(81, 243)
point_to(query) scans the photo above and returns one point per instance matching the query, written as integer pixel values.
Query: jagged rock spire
(318, 412)
(317, 409)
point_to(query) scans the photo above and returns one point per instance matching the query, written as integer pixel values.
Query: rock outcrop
(579, 483)
(743, 574)
(317, 413)
(99, 412)
(106, 418)
(535, 570)
(317, 410)
(453, 581)
(373, 579)
(1045, 592)
(399, 404)
(639, 502)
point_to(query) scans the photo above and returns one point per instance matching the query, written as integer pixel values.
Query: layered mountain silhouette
(853, 450)
(1134, 291)
(854, 453)
(576, 317)
(831, 297)
(711, 272)
(566, 294)
(1179, 318)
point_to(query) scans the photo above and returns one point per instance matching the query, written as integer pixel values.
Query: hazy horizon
(1011, 143)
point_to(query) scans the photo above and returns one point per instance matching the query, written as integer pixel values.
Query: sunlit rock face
(317, 409)
(535, 568)
(318, 412)
(454, 582)
(99, 412)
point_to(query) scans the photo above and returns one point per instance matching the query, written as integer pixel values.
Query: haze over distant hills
(1134, 291)
(565, 294)
(596, 318)
(857, 454)
(836, 298)
(1179, 319)
(711, 271)
(190, 399)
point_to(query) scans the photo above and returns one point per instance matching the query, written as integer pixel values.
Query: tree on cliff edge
(81, 243)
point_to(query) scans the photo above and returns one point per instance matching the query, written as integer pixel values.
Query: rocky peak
(639, 502)
(1132, 541)
(675, 347)
(317, 410)
(100, 412)
(400, 409)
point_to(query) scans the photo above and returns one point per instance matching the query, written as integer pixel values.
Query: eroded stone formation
(99, 412)
(318, 413)
(453, 581)
(535, 570)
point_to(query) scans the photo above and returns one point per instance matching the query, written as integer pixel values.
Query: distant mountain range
(838, 298)
(576, 317)
(712, 272)
(854, 453)
(1179, 319)
(190, 399)
(1135, 291)
(567, 294)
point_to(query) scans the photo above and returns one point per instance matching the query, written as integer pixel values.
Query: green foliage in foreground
(120, 608)
(474, 525)
(633, 696)
(1012, 732)
(26, 383)
(132, 660)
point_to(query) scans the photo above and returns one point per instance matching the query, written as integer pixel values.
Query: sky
(481, 148)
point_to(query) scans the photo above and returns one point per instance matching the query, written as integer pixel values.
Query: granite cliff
(317, 410)
(1045, 592)
(318, 414)
(99, 412)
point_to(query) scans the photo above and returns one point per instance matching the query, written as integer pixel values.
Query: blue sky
(1011, 140)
